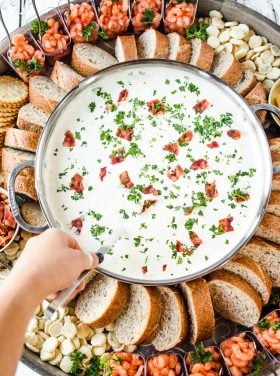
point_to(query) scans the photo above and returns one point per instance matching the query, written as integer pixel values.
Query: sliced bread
(88, 59)
(200, 310)
(276, 182)
(258, 95)
(152, 45)
(202, 54)
(12, 158)
(275, 155)
(102, 301)
(267, 255)
(227, 68)
(44, 93)
(252, 273)
(234, 299)
(246, 83)
(180, 48)
(64, 76)
(23, 185)
(269, 228)
(274, 203)
(173, 324)
(22, 139)
(32, 118)
(140, 318)
(274, 144)
(125, 48)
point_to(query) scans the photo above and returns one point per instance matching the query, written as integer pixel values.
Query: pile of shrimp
(113, 17)
(178, 16)
(80, 16)
(54, 42)
(270, 337)
(126, 364)
(138, 14)
(205, 369)
(164, 365)
(22, 50)
(239, 353)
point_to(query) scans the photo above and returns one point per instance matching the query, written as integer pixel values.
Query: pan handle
(267, 107)
(13, 202)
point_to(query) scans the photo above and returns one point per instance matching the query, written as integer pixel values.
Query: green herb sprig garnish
(148, 16)
(34, 28)
(258, 364)
(200, 355)
(87, 31)
(32, 65)
(198, 31)
(77, 366)
(102, 33)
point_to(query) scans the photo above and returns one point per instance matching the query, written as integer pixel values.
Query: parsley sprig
(200, 355)
(34, 27)
(27, 66)
(87, 31)
(148, 16)
(198, 31)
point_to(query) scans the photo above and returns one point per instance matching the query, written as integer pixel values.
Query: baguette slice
(88, 59)
(64, 76)
(179, 48)
(23, 185)
(267, 255)
(102, 301)
(252, 273)
(22, 140)
(200, 309)
(274, 203)
(275, 155)
(258, 95)
(44, 93)
(202, 54)
(173, 324)
(140, 319)
(234, 299)
(269, 228)
(152, 45)
(125, 48)
(276, 182)
(227, 68)
(31, 118)
(12, 158)
(246, 83)
(274, 144)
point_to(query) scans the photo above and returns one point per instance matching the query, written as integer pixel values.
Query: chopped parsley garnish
(87, 31)
(92, 106)
(190, 223)
(199, 31)
(137, 240)
(148, 16)
(134, 150)
(198, 200)
(167, 82)
(97, 230)
(30, 66)
(217, 230)
(171, 157)
(276, 325)
(77, 196)
(102, 33)
(234, 179)
(94, 215)
(264, 324)
(209, 128)
(124, 213)
(193, 88)
(134, 195)
(200, 355)
(77, 366)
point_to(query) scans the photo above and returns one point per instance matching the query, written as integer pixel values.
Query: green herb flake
(92, 106)
(199, 31)
(87, 31)
(200, 355)
(148, 16)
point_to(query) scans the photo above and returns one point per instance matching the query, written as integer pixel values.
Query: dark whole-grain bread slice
(102, 301)
(200, 310)
(269, 228)
(173, 326)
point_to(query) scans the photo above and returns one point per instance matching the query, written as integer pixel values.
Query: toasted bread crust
(62, 78)
(276, 182)
(10, 160)
(23, 184)
(161, 51)
(37, 98)
(206, 56)
(274, 203)
(269, 228)
(233, 74)
(128, 44)
(256, 96)
(21, 139)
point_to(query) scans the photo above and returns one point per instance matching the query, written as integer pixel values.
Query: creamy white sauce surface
(149, 252)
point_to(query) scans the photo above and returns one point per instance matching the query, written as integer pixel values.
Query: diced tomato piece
(77, 183)
(199, 164)
(123, 95)
(125, 180)
(213, 145)
(117, 157)
(201, 106)
(164, 267)
(195, 239)
(126, 134)
(77, 224)
(175, 174)
(69, 140)
(103, 173)
(186, 137)
(225, 224)
(150, 190)
(211, 190)
(173, 148)
(147, 204)
(144, 269)
(235, 134)
(156, 107)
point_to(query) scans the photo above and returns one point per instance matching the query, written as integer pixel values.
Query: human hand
(50, 262)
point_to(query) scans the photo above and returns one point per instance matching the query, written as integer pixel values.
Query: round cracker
(12, 91)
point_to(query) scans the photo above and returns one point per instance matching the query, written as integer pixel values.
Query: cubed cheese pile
(253, 51)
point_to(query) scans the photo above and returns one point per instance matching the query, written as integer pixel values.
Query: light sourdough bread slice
(258, 95)
(23, 185)
(22, 140)
(234, 299)
(227, 68)
(202, 54)
(252, 273)
(269, 228)
(152, 45)
(88, 59)
(125, 48)
(200, 310)
(64, 76)
(179, 48)
(12, 158)
(44, 93)
(31, 118)
(140, 318)
(267, 255)
(246, 83)
(173, 326)
(274, 203)
(102, 301)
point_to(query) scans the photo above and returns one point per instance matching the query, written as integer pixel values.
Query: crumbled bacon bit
(125, 180)
(156, 107)
(173, 148)
(241, 198)
(213, 145)
(199, 164)
(103, 173)
(123, 95)
(201, 106)
(186, 137)
(225, 224)
(235, 134)
(150, 190)
(8, 223)
(77, 183)
(77, 224)
(118, 157)
(144, 269)
(181, 248)
(195, 239)
(175, 174)
(211, 190)
(69, 140)
(164, 267)
(126, 134)
(147, 204)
